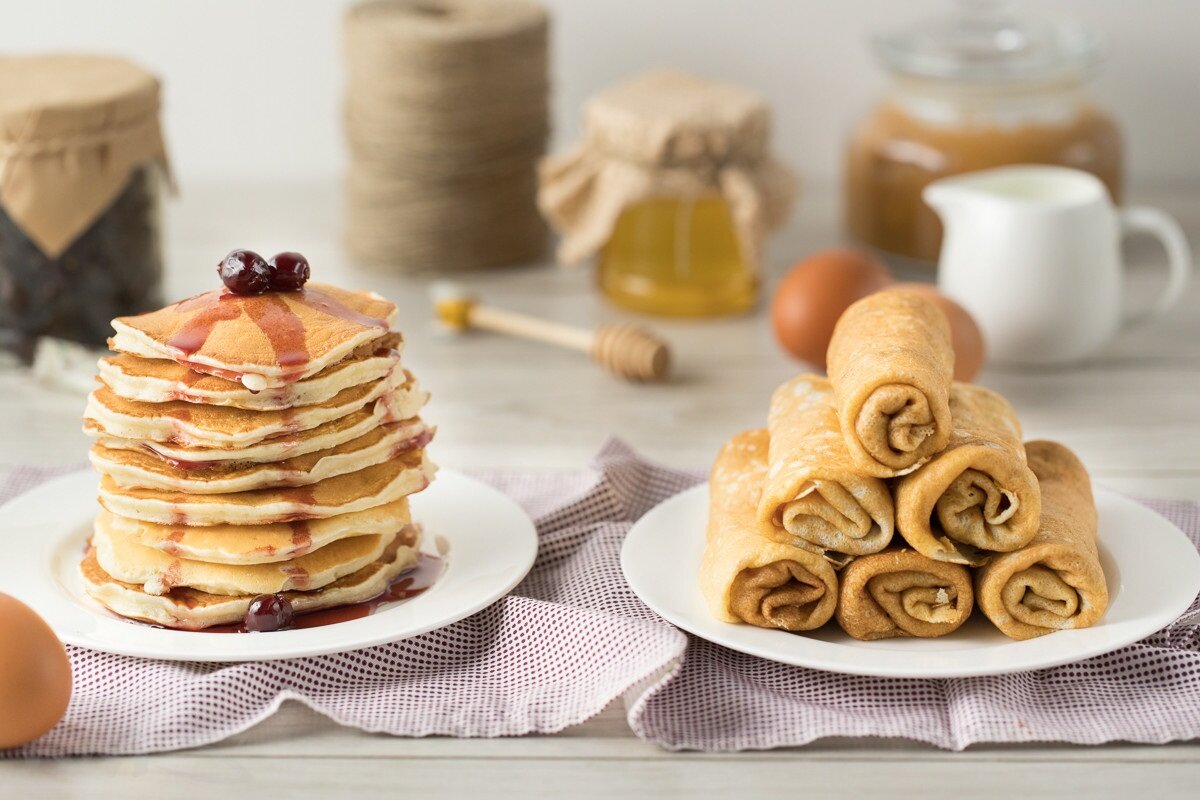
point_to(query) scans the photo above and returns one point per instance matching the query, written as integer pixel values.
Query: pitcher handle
(1142, 219)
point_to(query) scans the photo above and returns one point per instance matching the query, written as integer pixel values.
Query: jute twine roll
(446, 119)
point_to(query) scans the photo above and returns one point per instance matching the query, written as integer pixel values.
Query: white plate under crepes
(1153, 574)
(488, 542)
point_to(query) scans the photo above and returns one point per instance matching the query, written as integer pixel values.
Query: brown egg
(815, 292)
(35, 675)
(969, 350)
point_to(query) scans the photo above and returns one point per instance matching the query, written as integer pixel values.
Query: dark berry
(269, 612)
(245, 272)
(289, 271)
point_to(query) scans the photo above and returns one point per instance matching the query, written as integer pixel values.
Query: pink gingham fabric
(573, 637)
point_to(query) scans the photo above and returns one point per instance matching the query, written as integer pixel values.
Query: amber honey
(677, 257)
(894, 155)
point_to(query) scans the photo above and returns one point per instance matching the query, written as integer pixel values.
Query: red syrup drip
(420, 440)
(192, 378)
(282, 327)
(301, 536)
(271, 313)
(303, 496)
(326, 304)
(210, 309)
(171, 545)
(179, 463)
(216, 372)
(405, 586)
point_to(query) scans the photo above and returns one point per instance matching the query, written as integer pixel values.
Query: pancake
(256, 544)
(180, 422)
(404, 404)
(139, 467)
(382, 483)
(158, 573)
(157, 380)
(263, 341)
(190, 609)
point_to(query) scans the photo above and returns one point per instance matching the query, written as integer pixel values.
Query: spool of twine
(446, 117)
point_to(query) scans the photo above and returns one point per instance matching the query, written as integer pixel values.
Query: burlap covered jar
(667, 133)
(81, 161)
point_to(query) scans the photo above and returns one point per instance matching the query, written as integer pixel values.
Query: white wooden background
(1133, 415)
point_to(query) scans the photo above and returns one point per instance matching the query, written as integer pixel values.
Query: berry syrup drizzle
(404, 586)
(274, 316)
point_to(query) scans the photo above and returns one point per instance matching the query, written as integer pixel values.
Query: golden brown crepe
(745, 576)
(891, 364)
(1056, 581)
(978, 496)
(813, 496)
(900, 592)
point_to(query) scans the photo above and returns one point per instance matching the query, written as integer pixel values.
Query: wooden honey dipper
(626, 350)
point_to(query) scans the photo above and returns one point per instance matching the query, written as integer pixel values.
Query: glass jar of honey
(672, 191)
(982, 89)
(677, 257)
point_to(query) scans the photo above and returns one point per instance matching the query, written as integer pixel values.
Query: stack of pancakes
(253, 445)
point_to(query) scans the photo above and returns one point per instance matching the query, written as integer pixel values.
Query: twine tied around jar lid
(446, 116)
(667, 133)
(73, 129)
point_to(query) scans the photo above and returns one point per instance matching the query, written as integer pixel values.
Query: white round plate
(489, 544)
(1153, 574)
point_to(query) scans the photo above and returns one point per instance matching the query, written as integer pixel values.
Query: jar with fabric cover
(82, 161)
(673, 191)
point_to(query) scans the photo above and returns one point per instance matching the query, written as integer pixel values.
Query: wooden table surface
(1133, 415)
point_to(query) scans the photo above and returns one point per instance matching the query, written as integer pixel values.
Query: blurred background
(253, 112)
(253, 90)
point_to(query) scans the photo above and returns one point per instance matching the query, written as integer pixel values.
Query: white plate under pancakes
(1153, 574)
(488, 541)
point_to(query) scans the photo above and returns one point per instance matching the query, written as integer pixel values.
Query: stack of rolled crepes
(889, 443)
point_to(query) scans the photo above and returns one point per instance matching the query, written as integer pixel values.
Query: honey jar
(672, 192)
(980, 89)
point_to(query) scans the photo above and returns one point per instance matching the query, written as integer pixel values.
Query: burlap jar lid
(72, 130)
(667, 133)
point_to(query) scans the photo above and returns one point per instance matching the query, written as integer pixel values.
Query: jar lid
(73, 128)
(670, 117)
(52, 95)
(983, 41)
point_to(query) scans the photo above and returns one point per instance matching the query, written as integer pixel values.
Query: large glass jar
(982, 89)
(81, 167)
(113, 268)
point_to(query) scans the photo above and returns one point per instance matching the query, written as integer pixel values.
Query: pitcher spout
(949, 196)
(1037, 186)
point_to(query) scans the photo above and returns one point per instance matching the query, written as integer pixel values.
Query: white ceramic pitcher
(1033, 252)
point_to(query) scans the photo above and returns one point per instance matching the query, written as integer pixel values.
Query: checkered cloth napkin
(573, 637)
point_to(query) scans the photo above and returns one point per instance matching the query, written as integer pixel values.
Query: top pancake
(264, 341)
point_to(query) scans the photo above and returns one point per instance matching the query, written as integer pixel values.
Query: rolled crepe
(813, 496)
(1056, 581)
(978, 496)
(746, 577)
(891, 364)
(900, 592)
